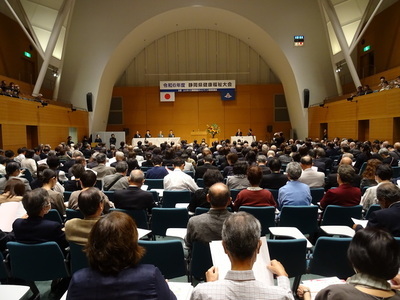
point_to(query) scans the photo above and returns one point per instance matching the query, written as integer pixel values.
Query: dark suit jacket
(35, 230)
(343, 195)
(387, 219)
(273, 181)
(139, 282)
(133, 198)
(202, 169)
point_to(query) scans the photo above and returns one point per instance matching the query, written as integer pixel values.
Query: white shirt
(242, 285)
(179, 181)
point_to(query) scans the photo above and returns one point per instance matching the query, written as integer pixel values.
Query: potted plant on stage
(213, 130)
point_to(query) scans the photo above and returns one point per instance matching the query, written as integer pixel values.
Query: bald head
(219, 195)
(136, 178)
(346, 161)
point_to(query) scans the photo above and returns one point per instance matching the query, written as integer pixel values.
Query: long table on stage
(156, 141)
(244, 138)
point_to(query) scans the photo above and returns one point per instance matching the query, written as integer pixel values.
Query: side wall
(253, 108)
(373, 117)
(28, 123)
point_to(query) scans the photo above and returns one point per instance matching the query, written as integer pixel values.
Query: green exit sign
(366, 48)
(27, 54)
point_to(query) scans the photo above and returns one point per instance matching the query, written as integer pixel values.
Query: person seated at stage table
(91, 205)
(239, 133)
(148, 134)
(294, 192)
(199, 198)
(241, 241)
(157, 171)
(36, 229)
(374, 255)
(254, 195)
(137, 135)
(171, 133)
(276, 179)
(207, 227)
(115, 272)
(239, 179)
(345, 194)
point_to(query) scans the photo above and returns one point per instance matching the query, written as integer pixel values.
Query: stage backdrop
(192, 111)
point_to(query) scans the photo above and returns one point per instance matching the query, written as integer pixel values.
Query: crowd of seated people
(11, 90)
(250, 168)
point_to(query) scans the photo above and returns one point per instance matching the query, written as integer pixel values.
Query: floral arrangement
(213, 129)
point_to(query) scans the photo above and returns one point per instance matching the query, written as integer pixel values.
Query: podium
(198, 135)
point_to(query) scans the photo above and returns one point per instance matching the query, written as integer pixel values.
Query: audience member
(368, 176)
(199, 198)
(134, 197)
(56, 199)
(309, 176)
(117, 181)
(294, 192)
(178, 180)
(207, 227)
(101, 169)
(74, 184)
(254, 195)
(158, 171)
(208, 164)
(36, 229)
(13, 171)
(241, 241)
(239, 179)
(91, 205)
(114, 255)
(88, 179)
(262, 163)
(383, 174)
(345, 194)
(276, 179)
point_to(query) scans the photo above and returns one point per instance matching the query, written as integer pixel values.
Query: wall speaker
(269, 128)
(126, 131)
(89, 102)
(306, 96)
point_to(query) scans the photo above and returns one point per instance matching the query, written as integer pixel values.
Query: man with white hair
(119, 156)
(241, 241)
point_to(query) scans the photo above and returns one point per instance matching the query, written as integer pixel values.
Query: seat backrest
(28, 175)
(291, 253)
(154, 183)
(362, 169)
(200, 210)
(234, 193)
(3, 269)
(201, 260)
(139, 215)
(99, 184)
(67, 195)
(73, 213)
(330, 258)
(372, 208)
(168, 256)
(317, 194)
(341, 215)
(78, 259)
(200, 182)
(265, 214)
(274, 193)
(305, 218)
(155, 196)
(110, 195)
(170, 198)
(164, 218)
(396, 172)
(53, 215)
(190, 173)
(37, 262)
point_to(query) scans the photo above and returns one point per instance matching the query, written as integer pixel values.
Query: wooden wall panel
(342, 116)
(53, 122)
(253, 108)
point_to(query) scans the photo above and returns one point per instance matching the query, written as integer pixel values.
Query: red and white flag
(167, 96)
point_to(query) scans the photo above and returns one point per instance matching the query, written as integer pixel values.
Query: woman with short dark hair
(114, 254)
(374, 255)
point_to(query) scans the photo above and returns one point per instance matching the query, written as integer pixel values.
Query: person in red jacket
(345, 194)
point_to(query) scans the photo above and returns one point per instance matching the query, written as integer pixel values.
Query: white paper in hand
(221, 260)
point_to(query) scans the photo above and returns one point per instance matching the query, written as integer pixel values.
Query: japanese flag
(167, 96)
